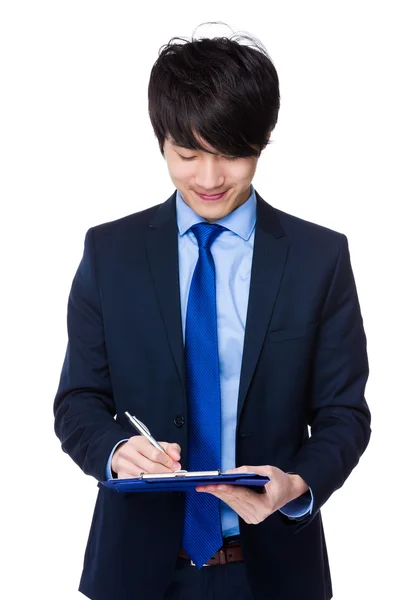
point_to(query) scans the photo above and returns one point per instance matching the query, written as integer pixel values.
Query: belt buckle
(194, 564)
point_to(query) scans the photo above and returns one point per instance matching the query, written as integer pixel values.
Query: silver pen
(142, 429)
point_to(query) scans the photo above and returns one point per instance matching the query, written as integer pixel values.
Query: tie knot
(206, 233)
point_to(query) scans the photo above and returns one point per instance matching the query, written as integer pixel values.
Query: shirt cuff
(299, 507)
(108, 471)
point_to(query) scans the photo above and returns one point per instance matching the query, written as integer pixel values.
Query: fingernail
(177, 466)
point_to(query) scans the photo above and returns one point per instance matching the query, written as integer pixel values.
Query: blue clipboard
(184, 481)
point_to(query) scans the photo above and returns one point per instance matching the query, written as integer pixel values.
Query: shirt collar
(241, 220)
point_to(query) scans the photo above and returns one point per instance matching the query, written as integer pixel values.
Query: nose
(209, 176)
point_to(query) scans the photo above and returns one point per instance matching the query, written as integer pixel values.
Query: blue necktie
(202, 533)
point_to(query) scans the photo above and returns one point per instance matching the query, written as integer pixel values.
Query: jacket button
(179, 421)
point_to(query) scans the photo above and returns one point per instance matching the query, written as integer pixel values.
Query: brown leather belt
(230, 552)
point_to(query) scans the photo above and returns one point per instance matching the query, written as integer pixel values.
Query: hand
(138, 455)
(252, 507)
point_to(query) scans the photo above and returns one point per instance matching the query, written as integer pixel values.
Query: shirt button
(179, 421)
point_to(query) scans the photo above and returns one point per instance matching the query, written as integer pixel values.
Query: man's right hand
(138, 455)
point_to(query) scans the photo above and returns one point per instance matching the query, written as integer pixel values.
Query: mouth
(211, 198)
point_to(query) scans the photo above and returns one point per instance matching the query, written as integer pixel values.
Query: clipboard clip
(179, 474)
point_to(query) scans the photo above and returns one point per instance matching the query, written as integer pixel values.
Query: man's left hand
(252, 507)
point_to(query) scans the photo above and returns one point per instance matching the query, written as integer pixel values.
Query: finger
(159, 457)
(244, 469)
(143, 446)
(239, 492)
(249, 512)
(136, 462)
(246, 507)
(126, 475)
(172, 449)
(235, 496)
(140, 446)
(227, 489)
(258, 469)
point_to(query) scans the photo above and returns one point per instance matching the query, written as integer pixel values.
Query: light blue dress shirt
(232, 252)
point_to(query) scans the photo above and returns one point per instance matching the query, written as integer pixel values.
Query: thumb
(246, 469)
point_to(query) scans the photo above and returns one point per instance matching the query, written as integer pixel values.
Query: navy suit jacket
(304, 364)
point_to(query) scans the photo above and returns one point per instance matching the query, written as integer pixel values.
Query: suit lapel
(163, 259)
(268, 263)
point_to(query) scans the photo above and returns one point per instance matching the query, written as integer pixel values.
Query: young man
(228, 327)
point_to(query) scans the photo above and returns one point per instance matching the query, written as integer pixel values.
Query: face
(195, 172)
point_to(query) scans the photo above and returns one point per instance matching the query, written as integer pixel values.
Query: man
(228, 327)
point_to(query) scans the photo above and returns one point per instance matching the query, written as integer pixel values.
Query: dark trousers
(218, 582)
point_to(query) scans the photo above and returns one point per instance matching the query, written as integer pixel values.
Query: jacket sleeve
(84, 406)
(338, 414)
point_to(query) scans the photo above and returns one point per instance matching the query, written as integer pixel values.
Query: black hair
(225, 92)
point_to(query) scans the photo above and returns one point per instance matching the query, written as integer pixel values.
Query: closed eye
(192, 157)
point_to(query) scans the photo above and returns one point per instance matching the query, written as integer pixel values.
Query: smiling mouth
(211, 196)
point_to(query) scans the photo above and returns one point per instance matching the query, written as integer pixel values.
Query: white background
(77, 149)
